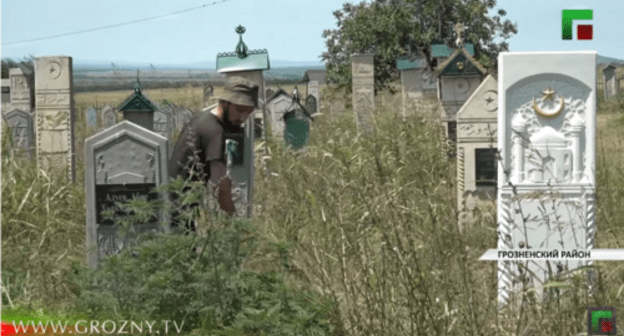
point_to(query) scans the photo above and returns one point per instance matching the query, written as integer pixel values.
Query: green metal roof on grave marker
(138, 101)
(461, 63)
(442, 50)
(405, 63)
(242, 59)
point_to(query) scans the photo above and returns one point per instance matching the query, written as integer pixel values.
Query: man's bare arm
(217, 177)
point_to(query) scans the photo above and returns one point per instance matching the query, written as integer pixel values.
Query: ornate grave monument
(611, 83)
(363, 72)
(55, 114)
(416, 83)
(250, 65)
(123, 162)
(21, 128)
(476, 149)
(546, 177)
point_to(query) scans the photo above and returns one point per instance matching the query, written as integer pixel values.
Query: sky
(290, 30)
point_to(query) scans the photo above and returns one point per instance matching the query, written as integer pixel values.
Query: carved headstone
(313, 89)
(311, 105)
(122, 162)
(278, 107)
(21, 90)
(363, 72)
(611, 84)
(476, 148)
(91, 116)
(20, 125)
(546, 179)
(109, 117)
(55, 114)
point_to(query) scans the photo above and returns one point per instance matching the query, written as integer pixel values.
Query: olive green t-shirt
(204, 135)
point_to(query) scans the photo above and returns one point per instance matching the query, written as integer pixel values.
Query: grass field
(368, 223)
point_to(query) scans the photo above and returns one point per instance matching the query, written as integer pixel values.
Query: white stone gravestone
(163, 122)
(109, 117)
(55, 114)
(122, 162)
(546, 177)
(278, 107)
(611, 83)
(363, 72)
(476, 149)
(21, 89)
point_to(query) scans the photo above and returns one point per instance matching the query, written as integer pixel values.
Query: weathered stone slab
(278, 107)
(311, 105)
(109, 117)
(476, 149)
(21, 128)
(313, 89)
(55, 116)
(91, 117)
(546, 179)
(611, 83)
(363, 72)
(22, 90)
(122, 162)
(163, 122)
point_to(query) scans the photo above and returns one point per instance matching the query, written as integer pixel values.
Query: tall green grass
(368, 222)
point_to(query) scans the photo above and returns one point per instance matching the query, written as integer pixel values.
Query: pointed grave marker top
(241, 48)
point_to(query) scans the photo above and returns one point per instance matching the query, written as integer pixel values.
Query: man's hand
(225, 196)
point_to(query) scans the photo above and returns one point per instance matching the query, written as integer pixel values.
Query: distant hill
(604, 60)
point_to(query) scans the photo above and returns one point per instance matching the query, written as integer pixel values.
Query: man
(199, 153)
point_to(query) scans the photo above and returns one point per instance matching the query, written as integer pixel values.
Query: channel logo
(601, 321)
(583, 32)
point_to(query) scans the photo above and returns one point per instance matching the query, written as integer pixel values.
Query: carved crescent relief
(548, 114)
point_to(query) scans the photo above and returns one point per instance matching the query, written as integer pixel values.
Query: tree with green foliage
(8, 63)
(391, 28)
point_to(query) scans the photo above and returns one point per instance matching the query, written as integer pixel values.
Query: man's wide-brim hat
(240, 91)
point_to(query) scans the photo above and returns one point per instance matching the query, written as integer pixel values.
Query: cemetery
(346, 192)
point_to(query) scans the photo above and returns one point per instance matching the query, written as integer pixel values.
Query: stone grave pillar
(163, 123)
(22, 84)
(363, 72)
(55, 114)
(476, 149)
(311, 104)
(249, 65)
(123, 162)
(313, 90)
(278, 107)
(610, 81)
(547, 127)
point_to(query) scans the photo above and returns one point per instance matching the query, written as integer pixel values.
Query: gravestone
(459, 77)
(22, 92)
(91, 117)
(313, 89)
(123, 162)
(55, 114)
(611, 84)
(269, 93)
(278, 106)
(208, 93)
(163, 121)
(311, 104)
(109, 117)
(20, 126)
(476, 149)
(547, 127)
(184, 116)
(363, 72)
(6, 95)
(416, 83)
